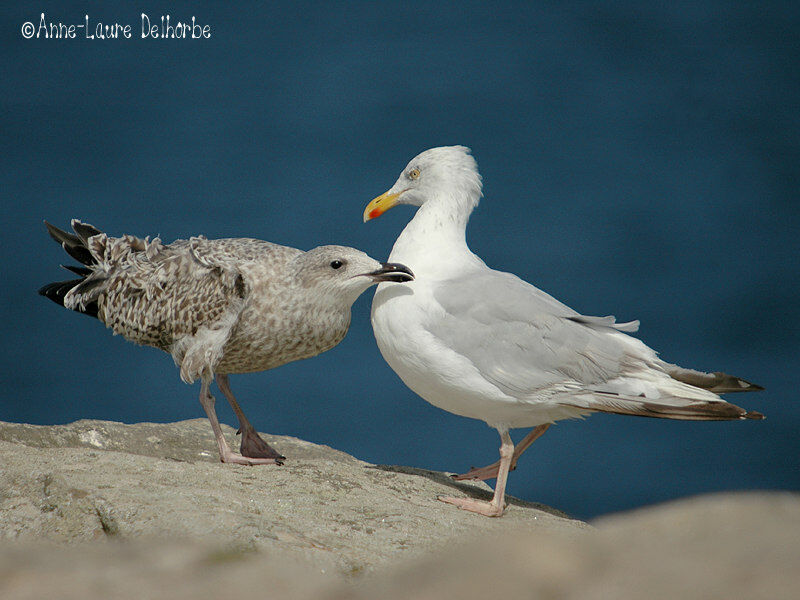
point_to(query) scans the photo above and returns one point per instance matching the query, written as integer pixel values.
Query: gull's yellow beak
(380, 205)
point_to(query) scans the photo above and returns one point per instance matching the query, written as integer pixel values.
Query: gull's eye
(336, 264)
(413, 174)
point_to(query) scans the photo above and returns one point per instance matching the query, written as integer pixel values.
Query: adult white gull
(487, 345)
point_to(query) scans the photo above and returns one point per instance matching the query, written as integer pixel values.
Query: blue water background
(639, 159)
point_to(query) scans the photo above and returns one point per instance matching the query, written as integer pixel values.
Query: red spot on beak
(375, 212)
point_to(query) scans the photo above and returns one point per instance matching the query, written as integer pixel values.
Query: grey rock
(93, 480)
(99, 510)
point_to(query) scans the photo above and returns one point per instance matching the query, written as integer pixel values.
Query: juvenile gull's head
(342, 274)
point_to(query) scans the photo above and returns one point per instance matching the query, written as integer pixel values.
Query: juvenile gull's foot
(254, 447)
(226, 455)
(231, 457)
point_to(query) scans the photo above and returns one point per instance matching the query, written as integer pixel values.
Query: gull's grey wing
(524, 340)
(155, 294)
(186, 297)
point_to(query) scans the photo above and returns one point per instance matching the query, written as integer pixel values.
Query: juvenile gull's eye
(336, 264)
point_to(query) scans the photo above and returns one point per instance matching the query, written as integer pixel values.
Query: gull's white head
(447, 174)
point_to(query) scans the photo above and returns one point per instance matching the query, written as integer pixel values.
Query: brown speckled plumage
(217, 306)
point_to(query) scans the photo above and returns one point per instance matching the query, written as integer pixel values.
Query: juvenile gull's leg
(497, 505)
(252, 446)
(490, 471)
(225, 453)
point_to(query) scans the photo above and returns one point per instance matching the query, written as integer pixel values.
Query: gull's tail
(663, 408)
(674, 393)
(86, 288)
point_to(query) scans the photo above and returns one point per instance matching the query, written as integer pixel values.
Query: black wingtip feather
(82, 271)
(753, 415)
(717, 382)
(84, 230)
(75, 246)
(58, 289)
(79, 253)
(61, 236)
(607, 402)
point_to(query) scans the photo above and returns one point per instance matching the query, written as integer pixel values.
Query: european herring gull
(487, 345)
(218, 306)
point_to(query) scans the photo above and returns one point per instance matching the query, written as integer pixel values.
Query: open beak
(380, 205)
(392, 272)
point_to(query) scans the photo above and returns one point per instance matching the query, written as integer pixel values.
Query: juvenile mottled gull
(485, 344)
(218, 306)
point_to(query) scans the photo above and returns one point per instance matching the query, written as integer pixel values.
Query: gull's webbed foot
(254, 447)
(491, 471)
(234, 458)
(487, 472)
(487, 509)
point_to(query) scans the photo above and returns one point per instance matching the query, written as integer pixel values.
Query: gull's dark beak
(392, 272)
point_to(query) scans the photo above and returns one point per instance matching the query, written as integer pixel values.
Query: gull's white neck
(434, 242)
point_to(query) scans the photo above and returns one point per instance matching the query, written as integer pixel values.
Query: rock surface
(97, 509)
(92, 480)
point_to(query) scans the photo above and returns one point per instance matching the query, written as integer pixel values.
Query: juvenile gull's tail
(76, 245)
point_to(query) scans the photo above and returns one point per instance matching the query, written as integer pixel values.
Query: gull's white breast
(401, 319)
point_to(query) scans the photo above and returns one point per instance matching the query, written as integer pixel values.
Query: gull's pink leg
(252, 446)
(225, 453)
(490, 471)
(497, 505)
